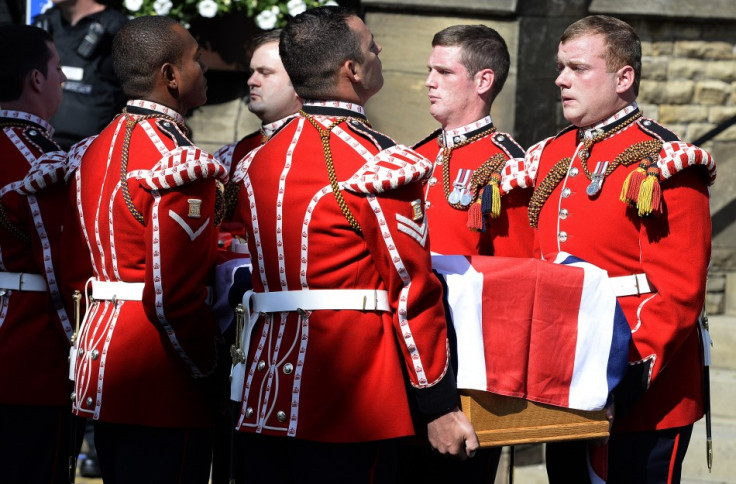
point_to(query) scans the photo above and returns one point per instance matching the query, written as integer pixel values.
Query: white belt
(117, 290)
(22, 281)
(314, 299)
(632, 285)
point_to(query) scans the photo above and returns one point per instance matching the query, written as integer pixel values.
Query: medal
(596, 181)
(458, 192)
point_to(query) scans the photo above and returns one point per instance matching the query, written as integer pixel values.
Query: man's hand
(453, 434)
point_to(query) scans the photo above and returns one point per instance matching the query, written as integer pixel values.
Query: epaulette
(389, 169)
(506, 143)
(38, 139)
(181, 166)
(172, 131)
(46, 171)
(533, 155)
(431, 137)
(656, 130)
(225, 154)
(380, 140)
(74, 157)
(642, 189)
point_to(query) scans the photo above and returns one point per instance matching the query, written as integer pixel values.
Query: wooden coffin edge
(500, 420)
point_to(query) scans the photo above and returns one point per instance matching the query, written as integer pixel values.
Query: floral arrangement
(268, 14)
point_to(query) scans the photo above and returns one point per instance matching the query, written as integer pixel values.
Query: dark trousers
(419, 463)
(131, 454)
(653, 457)
(648, 457)
(284, 460)
(34, 444)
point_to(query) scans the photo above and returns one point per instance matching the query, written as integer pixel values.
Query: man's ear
(484, 80)
(170, 75)
(36, 79)
(350, 69)
(624, 79)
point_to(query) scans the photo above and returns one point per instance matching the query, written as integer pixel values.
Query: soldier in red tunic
(345, 307)
(272, 98)
(622, 192)
(476, 196)
(34, 327)
(475, 202)
(144, 232)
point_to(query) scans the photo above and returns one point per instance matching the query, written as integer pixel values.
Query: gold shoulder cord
(632, 154)
(446, 156)
(324, 135)
(130, 123)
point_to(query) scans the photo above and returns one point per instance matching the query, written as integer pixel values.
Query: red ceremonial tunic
(507, 235)
(228, 156)
(672, 248)
(143, 362)
(34, 327)
(336, 375)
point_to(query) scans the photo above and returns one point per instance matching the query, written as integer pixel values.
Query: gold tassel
(495, 196)
(650, 195)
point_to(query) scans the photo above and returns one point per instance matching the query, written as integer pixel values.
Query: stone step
(723, 333)
(695, 468)
(723, 393)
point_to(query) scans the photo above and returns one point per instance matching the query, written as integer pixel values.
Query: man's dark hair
(265, 37)
(139, 50)
(623, 47)
(314, 45)
(482, 48)
(22, 49)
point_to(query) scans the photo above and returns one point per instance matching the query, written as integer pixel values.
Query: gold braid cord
(482, 175)
(559, 170)
(324, 135)
(230, 198)
(130, 122)
(446, 156)
(13, 228)
(129, 125)
(633, 154)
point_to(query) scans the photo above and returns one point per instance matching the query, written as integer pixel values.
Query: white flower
(266, 20)
(296, 7)
(207, 8)
(133, 5)
(162, 7)
(330, 3)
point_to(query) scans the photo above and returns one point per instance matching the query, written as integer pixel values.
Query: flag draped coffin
(548, 332)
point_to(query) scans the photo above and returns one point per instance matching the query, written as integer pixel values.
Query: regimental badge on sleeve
(195, 208)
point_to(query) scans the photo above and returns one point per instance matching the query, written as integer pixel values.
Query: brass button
(566, 192)
(288, 368)
(80, 352)
(89, 401)
(563, 213)
(95, 354)
(432, 181)
(562, 236)
(249, 412)
(74, 396)
(281, 416)
(574, 171)
(261, 365)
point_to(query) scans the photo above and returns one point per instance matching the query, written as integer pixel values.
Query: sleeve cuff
(439, 399)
